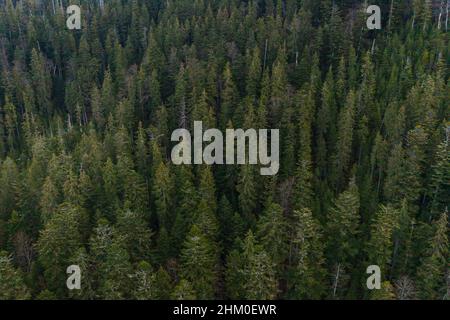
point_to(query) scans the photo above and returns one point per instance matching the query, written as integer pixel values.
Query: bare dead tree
(441, 11)
(446, 16)
(24, 250)
(336, 279)
(404, 289)
(447, 294)
(265, 53)
(101, 3)
(391, 13)
(285, 193)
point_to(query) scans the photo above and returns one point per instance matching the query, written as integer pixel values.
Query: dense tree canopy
(86, 178)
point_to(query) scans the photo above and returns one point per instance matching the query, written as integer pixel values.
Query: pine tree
(82, 259)
(271, 233)
(136, 236)
(142, 153)
(207, 188)
(97, 111)
(115, 282)
(42, 83)
(58, 243)
(111, 188)
(395, 173)
(49, 200)
(12, 286)
(187, 199)
(254, 75)
(278, 100)
(434, 267)
(366, 96)
(199, 263)
(250, 272)
(163, 284)
(439, 186)
(306, 279)
(144, 288)
(11, 123)
(184, 291)
(229, 97)
(230, 223)
(326, 117)
(342, 230)
(264, 100)
(10, 180)
(86, 118)
(247, 193)
(107, 94)
(162, 194)
(380, 246)
(344, 142)
(402, 251)
(111, 262)
(203, 111)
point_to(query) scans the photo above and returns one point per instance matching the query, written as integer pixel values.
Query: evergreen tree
(434, 268)
(271, 233)
(58, 243)
(184, 291)
(247, 192)
(344, 141)
(145, 282)
(380, 246)
(439, 186)
(199, 263)
(162, 194)
(11, 281)
(307, 272)
(250, 272)
(342, 231)
(86, 119)
(42, 83)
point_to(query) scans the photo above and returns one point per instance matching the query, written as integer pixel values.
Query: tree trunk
(446, 19)
(336, 279)
(391, 13)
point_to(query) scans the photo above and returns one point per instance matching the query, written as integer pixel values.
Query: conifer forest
(86, 175)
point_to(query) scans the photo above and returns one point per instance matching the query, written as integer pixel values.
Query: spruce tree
(199, 263)
(434, 265)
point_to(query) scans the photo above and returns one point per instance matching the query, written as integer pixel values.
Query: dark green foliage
(11, 282)
(199, 263)
(86, 118)
(250, 272)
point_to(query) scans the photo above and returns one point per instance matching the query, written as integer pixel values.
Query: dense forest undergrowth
(86, 179)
